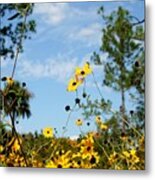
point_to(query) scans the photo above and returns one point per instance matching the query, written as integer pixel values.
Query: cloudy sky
(67, 34)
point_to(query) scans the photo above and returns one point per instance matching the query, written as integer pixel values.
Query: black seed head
(88, 123)
(67, 108)
(24, 84)
(122, 134)
(63, 127)
(77, 101)
(131, 112)
(105, 141)
(84, 95)
(23, 135)
(17, 122)
(4, 79)
(136, 64)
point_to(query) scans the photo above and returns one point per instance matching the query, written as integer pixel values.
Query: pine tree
(121, 40)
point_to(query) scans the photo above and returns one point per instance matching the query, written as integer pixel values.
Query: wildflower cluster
(79, 76)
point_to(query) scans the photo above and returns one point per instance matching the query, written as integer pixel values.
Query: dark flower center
(74, 83)
(116, 156)
(88, 148)
(59, 166)
(79, 162)
(93, 160)
(82, 72)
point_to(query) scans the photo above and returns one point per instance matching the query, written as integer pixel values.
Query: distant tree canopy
(13, 22)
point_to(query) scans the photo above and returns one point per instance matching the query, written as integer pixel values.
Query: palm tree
(16, 101)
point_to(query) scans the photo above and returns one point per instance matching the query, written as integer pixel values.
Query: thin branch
(16, 134)
(139, 22)
(19, 45)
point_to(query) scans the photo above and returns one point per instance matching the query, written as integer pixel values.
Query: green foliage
(124, 70)
(119, 41)
(16, 100)
(95, 108)
(13, 23)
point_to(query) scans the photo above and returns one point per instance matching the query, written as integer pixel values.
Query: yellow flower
(60, 152)
(117, 167)
(75, 164)
(62, 161)
(48, 132)
(94, 158)
(87, 69)
(113, 158)
(16, 145)
(87, 147)
(1, 148)
(9, 80)
(135, 159)
(73, 85)
(133, 152)
(126, 154)
(51, 164)
(80, 73)
(76, 155)
(79, 122)
(2, 158)
(98, 120)
(103, 126)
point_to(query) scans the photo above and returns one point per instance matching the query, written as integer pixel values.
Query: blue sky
(67, 34)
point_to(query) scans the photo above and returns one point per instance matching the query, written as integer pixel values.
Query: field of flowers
(107, 147)
(93, 150)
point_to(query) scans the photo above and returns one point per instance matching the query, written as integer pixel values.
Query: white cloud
(56, 13)
(60, 68)
(71, 22)
(90, 35)
(90, 30)
(57, 69)
(51, 13)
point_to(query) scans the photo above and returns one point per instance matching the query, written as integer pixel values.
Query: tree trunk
(13, 123)
(123, 109)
